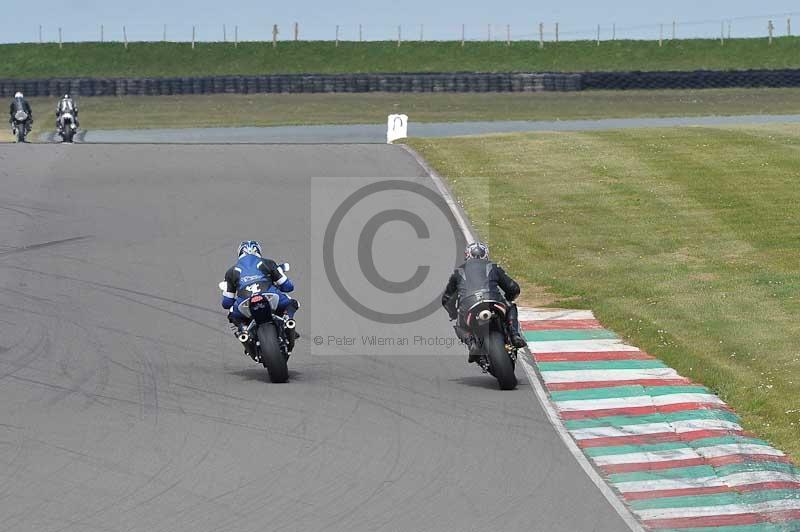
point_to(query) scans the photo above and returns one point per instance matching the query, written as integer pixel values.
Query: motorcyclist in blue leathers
(253, 273)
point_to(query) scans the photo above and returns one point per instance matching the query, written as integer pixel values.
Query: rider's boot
(516, 337)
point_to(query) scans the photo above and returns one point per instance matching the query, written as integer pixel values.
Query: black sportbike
(487, 323)
(269, 337)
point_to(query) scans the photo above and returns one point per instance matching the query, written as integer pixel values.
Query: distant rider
(19, 103)
(251, 269)
(480, 275)
(66, 105)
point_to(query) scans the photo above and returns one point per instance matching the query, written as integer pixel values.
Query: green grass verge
(178, 59)
(303, 109)
(686, 241)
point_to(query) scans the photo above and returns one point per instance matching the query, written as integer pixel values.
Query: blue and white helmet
(249, 247)
(476, 250)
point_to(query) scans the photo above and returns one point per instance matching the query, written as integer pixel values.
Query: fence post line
(337, 36)
(60, 44)
(274, 35)
(193, 35)
(125, 36)
(598, 35)
(661, 36)
(236, 36)
(463, 31)
(556, 32)
(770, 27)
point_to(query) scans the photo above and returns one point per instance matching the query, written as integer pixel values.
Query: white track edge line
(583, 461)
(536, 385)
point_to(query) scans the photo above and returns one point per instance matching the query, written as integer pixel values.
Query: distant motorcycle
(67, 127)
(486, 321)
(269, 337)
(19, 126)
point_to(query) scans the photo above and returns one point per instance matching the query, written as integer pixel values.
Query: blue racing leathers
(252, 274)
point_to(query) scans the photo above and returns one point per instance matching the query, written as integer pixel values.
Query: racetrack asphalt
(127, 405)
(369, 133)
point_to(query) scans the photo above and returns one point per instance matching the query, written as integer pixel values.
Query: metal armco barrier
(420, 82)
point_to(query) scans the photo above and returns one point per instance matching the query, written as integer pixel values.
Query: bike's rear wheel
(502, 366)
(271, 355)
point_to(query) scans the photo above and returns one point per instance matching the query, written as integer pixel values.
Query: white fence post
(598, 35)
(556, 32)
(770, 28)
(296, 31)
(224, 34)
(337, 36)
(421, 32)
(102, 37)
(60, 43)
(360, 34)
(613, 31)
(399, 35)
(274, 35)
(236, 36)
(674, 29)
(789, 27)
(125, 36)
(40, 34)
(722, 33)
(541, 35)
(463, 31)
(508, 34)
(164, 37)
(661, 36)
(193, 36)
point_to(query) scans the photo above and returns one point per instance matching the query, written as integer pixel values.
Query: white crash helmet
(18, 95)
(476, 250)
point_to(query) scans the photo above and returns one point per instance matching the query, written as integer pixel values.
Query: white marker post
(396, 128)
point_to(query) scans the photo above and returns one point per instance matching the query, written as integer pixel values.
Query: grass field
(686, 241)
(299, 109)
(21, 61)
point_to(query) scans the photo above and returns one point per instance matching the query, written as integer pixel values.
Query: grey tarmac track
(126, 405)
(367, 133)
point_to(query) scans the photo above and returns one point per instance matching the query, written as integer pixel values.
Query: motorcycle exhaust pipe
(291, 324)
(243, 337)
(485, 315)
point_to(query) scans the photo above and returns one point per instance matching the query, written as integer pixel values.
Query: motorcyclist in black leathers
(19, 103)
(479, 275)
(66, 105)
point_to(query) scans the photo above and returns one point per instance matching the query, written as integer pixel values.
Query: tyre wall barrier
(421, 82)
(296, 83)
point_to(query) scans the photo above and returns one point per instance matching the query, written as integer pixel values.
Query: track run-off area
(127, 405)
